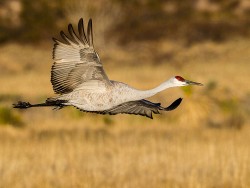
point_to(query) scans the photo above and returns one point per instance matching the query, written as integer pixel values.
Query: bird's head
(179, 81)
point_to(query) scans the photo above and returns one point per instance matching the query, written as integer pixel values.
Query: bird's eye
(180, 78)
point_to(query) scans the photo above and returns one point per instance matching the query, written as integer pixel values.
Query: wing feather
(141, 107)
(75, 61)
(82, 32)
(73, 34)
(90, 33)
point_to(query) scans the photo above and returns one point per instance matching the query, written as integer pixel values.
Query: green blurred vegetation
(229, 108)
(10, 117)
(139, 20)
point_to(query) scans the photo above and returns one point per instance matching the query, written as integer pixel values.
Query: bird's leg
(58, 104)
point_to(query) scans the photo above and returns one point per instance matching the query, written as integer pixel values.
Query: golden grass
(140, 157)
(68, 148)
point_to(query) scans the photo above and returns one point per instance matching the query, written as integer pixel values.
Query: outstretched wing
(75, 61)
(141, 107)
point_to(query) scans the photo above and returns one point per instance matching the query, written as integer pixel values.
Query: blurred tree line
(191, 20)
(27, 21)
(138, 20)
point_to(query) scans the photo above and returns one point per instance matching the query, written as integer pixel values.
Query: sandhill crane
(77, 75)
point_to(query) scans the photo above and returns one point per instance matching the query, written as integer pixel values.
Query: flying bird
(78, 77)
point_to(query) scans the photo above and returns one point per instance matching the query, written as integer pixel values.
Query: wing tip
(90, 33)
(174, 105)
(55, 40)
(70, 27)
(80, 23)
(83, 38)
(90, 21)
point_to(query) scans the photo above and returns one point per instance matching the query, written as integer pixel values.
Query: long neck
(151, 92)
(161, 87)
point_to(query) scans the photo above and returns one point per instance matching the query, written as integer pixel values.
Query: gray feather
(140, 107)
(75, 60)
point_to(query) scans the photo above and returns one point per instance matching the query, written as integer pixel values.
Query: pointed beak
(188, 82)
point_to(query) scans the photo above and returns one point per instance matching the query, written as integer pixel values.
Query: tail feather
(58, 104)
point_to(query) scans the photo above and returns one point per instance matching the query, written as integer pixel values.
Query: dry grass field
(203, 143)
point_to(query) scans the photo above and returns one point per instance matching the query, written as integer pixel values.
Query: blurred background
(203, 143)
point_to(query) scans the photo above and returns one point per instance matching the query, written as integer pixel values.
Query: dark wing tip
(73, 35)
(54, 39)
(80, 24)
(90, 32)
(174, 105)
(70, 27)
(63, 35)
(81, 31)
(90, 24)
